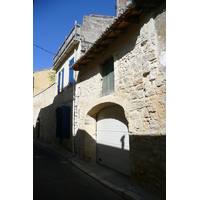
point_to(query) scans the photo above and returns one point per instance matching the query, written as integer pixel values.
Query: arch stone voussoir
(104, 102)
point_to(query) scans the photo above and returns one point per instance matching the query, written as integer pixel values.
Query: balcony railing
(74, 35)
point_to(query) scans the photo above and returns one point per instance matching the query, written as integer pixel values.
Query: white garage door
(113, 139)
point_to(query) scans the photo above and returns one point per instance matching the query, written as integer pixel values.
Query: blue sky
(53, 21)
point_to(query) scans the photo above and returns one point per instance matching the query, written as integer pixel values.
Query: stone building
(120, 97)
(108, 103)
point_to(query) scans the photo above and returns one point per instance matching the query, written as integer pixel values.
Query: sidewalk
(113, 180)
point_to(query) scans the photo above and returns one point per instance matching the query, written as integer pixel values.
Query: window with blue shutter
(71, 71)
(58, 82)
(62, 79)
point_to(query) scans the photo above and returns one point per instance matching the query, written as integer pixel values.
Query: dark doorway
(38, 127)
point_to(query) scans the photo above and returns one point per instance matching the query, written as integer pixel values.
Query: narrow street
(55, 178)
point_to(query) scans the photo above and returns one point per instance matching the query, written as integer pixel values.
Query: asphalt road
(54, 178)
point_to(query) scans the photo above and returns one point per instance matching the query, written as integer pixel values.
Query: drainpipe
(73, 110)
(78, 110)
(73, 102)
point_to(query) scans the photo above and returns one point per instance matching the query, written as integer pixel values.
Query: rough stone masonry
(140, 88)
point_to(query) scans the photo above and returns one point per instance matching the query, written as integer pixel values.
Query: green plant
(51, 76)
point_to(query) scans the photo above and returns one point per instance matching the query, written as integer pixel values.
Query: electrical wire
(44, 49)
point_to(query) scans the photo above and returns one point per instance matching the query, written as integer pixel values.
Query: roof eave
(100, 43)
(65, 54)
(130, 16)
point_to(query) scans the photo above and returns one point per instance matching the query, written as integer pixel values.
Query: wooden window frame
(107, 76)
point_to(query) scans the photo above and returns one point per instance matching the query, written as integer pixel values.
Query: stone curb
(126, 194)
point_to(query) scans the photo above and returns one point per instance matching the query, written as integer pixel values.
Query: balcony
(74, 35)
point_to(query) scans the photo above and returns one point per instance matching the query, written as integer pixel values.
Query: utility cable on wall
(44, 49)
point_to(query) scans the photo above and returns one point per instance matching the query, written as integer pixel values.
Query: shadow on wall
(46, 127)
(147, 154)
(85, 146)
(91, 151)
(148, 163)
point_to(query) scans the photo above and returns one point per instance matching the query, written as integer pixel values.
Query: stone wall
(121, 6)
(93, 26)
(140, 88)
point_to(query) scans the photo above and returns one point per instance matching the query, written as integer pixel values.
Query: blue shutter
(62, 79)
(58, 82)
(71, 71)
(65, 122)
(58, 122)
(71, 62)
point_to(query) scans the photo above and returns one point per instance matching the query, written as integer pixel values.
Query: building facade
(108, 103)
(76, 44)
(120, 109)
(54, 116)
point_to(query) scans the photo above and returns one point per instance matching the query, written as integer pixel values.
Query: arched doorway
(113, 139)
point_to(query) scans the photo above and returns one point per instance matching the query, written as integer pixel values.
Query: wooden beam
(78, 67)
(119, 30)
(110, 39)
(102, 47)
(132, 19)
(96, 52)
(89, 59)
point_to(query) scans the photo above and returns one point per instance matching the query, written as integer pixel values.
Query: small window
(108, 77)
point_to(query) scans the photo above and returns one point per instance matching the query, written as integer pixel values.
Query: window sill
(107, 94)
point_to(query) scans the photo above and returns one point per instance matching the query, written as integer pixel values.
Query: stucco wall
(65, 65)
(140, 88)
(65, 96)
(43, 109)
(41, 80)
